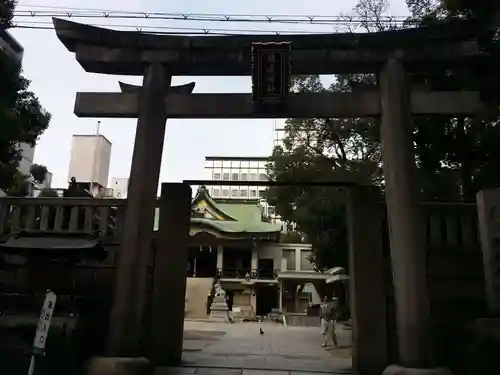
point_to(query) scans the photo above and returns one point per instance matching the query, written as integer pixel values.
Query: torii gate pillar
(126, 315)
(405, 227)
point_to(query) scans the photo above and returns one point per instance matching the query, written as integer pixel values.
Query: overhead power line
(47, 25)
(37, 11)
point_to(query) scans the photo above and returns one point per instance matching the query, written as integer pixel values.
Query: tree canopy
(344, 150)
(455, 157)
(6, 13)
(20, 187)
(22, 117)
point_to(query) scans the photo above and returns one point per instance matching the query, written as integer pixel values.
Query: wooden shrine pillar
(169, 277)
(126, 315)
(408, 256)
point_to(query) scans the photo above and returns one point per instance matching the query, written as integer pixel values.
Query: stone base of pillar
(399, 370)
(119, 366)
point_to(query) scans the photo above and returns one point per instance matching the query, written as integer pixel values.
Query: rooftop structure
(10, 46)
(89, 161)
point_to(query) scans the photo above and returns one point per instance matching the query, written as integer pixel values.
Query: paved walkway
(239, 349)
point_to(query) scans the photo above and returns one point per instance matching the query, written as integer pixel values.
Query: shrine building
(231, 242)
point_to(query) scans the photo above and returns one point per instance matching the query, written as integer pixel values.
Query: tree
(291, 237)
(343, 150)
(20, 186)
(22, 118)
(48, 193)
(6, 13)
(455, 157)
(38, 172)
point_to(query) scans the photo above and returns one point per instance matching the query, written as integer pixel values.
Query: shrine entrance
(202, 261)
(271, 60)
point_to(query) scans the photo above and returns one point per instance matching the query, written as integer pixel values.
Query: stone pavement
(239, 349)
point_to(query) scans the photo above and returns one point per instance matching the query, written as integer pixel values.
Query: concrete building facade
(119, 187)
(11, 47)
(90, 161)
(236, 168)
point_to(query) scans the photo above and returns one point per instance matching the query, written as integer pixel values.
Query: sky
(56, 77)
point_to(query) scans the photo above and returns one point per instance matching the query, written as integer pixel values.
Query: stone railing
(99, 217)
(488, 203)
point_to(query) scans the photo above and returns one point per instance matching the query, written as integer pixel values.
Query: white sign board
(42, 329)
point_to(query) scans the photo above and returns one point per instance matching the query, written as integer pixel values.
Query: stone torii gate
(158, 57)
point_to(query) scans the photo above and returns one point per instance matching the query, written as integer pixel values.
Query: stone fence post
(169, 276)
(367, 268)
(488, 210)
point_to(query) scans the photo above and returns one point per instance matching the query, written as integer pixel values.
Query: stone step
(232, 371)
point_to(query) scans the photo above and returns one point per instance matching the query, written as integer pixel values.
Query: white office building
(119, 187)
(240, 168)
(222, 168)
(89, 162)
(278, 132)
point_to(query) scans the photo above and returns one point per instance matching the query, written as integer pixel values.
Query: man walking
(328, 314)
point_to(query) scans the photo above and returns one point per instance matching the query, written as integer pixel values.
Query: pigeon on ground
(261, 331)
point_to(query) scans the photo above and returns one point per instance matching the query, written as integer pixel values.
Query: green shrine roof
(226, 218)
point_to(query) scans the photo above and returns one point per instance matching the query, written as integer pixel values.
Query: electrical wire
(36, 11)
(330, 24)
(47, 25)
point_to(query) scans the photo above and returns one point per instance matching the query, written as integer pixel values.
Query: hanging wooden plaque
(270, 74)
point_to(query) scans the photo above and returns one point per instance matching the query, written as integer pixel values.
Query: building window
(253, 176)
(253, 193)
(234, 193)
(225, 176)
(244, 176)
(262, 177)
(235, 176)
(289, 255)
(305, 264)
(225, 192)
(244, 193)
(216, 192)
(216, 176)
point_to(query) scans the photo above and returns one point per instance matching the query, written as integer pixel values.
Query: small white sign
(236, 309)
(44, 323)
